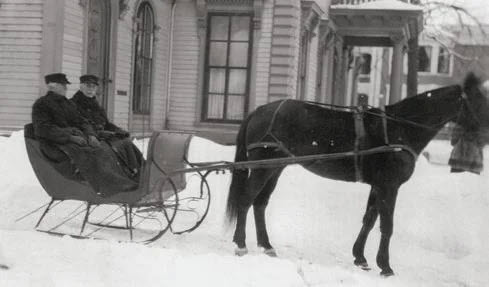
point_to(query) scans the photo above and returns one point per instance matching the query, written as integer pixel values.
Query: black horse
(296, 128)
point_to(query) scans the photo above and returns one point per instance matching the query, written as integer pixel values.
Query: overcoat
(95, 114)
(467, 154)
(128, 154)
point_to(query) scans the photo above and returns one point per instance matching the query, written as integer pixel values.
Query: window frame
(139, 104)
(435, 61)
(207, 67)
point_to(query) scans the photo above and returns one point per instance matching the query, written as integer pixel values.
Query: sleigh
(161, 203)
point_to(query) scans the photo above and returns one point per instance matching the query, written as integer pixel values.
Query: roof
(381, 5)
(474, 36)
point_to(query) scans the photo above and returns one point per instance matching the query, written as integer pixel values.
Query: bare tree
(447, 33)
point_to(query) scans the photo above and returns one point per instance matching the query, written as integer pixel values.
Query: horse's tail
(239, 176)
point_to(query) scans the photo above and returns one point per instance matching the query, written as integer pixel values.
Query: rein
(385, 115)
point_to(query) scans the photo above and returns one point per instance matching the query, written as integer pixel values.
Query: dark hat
(56, 78)
(87, 79)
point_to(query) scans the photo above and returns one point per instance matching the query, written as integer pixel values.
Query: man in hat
(117, 138)
(56, 120)
(68, 139)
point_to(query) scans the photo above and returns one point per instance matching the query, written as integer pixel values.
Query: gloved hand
(78, 140)
(93, 141)
(106, 134)
(76, 132)
(122, 134)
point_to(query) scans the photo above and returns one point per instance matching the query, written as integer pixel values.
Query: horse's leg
(386, 203)
(254, 185)
(259, 206)
(369, 219)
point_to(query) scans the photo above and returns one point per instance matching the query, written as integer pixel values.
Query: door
(98, 46)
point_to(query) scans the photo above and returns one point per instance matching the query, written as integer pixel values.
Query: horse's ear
(471, 81)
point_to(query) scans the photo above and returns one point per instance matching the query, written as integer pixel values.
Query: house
(198, 65)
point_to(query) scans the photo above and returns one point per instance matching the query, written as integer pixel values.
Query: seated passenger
(66, 136)
(117, 138)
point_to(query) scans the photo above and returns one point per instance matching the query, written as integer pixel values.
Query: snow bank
(440, 234)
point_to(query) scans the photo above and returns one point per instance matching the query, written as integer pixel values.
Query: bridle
(464, 103)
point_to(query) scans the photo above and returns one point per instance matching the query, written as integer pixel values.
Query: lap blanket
(100, 167)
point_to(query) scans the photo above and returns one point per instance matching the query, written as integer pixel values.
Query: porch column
(396, 69)
(412, 77)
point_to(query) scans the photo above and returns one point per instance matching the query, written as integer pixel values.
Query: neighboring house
(448, 61)
(441, 62)
(199, 65)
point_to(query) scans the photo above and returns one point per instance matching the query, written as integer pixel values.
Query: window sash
(443, 66)
(143, 60)
(227, 67)
(424, 59)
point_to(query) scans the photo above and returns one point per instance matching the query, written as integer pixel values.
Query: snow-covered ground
(440, 234)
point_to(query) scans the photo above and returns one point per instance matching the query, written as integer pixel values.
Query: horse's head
(475, 111)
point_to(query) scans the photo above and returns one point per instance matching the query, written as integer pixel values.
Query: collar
(81, 96)
(55, 95)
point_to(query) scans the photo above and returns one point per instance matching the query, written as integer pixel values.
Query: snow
(440, 233)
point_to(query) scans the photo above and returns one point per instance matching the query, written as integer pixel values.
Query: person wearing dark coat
(66, 136)
(467, 154)
(87, 105)
(56, 120)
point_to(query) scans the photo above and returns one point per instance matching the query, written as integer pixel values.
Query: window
(227, 67)
(443, 61)
(365, 65)
(424, 59)
(143, 59)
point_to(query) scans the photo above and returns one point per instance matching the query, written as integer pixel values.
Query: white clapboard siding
(72, 63)
(123, 69)
(160, 65)
(263, 56)
(20, 54)
(184, 91)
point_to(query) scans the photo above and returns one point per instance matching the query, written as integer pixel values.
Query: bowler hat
(56, 78)
(89, 79)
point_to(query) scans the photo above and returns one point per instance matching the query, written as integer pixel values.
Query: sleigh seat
(167, 150)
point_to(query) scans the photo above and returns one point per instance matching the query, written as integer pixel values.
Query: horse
(296, 128)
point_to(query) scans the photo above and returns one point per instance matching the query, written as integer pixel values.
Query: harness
(269, 140)
(276, 143)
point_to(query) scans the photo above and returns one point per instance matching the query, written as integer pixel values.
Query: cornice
(311, 14)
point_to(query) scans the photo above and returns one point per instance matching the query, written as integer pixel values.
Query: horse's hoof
(363, 265)
(240, 251)
(4, 267)
(270, 252)
(387, 273)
